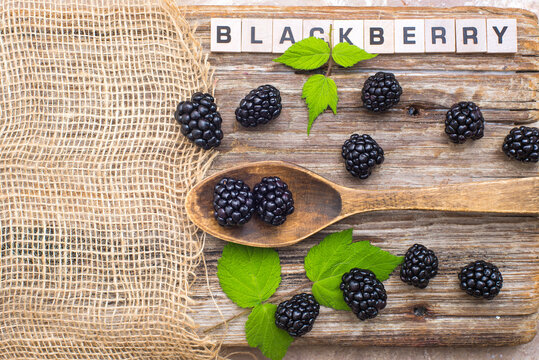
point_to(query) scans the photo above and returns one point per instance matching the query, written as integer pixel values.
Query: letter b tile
(225, 35)
(379, 36)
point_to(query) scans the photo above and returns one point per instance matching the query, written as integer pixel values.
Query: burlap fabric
(97, 254)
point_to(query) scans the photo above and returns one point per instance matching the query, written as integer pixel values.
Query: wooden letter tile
(379, 36)
(471, 35)
(502, 35)
(285, 33)
(316, 28)
(410, 36)
(225, 35)
(440, 35)
(350, 31)
(256, 35)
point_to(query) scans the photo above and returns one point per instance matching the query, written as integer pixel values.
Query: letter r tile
(379, 36)
(225, 35)
(440, 35)
(256, 35)
(471, 35)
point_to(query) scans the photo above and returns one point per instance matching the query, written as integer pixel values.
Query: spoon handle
(517, 196)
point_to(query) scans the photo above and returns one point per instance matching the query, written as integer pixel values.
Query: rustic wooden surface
(417, 154)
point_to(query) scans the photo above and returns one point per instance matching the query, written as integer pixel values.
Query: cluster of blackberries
(234, 203)
(478, 278)
(366, 295)
(201, 122)
(463, 121)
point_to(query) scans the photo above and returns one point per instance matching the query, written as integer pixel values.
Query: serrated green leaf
(261, 332)
(248, 275)
(348, 55)
(319, 92)
(307, 54)
(321, 259)
(328, 293)
(337, 254)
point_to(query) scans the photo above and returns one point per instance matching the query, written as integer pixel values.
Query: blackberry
(273, 200)
(420, 265)
(364, 293)
(380, 92)
(200, 121)
(361, 153)
(481, 279)
(297, 315)
(464, 120)
(233, 202)
(522, 143)
(259, 106)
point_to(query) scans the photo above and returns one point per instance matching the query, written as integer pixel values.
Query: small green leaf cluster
(320, 91)
(250, 276)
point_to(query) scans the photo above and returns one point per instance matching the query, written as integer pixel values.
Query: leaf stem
(330, 62)
(246, 311)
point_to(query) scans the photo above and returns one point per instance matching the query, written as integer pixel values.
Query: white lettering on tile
(410, 36)
(501, 35)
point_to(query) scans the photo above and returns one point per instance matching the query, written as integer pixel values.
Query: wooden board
(418, 153)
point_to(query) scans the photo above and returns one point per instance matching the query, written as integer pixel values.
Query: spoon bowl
(316, 205)
(319, 202)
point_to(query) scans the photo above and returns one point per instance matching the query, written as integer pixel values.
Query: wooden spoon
(320, 203)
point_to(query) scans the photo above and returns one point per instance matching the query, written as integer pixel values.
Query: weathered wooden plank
(418, 153)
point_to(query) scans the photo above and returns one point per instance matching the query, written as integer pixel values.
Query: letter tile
(256, 35)
(350, 31)
(379, 36)
(440, 35)
(502, 35)
(225, 35)
(285, 33)
(410, 36)
(471, 35)
(316, 28)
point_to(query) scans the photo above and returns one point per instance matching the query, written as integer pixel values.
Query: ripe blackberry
(380, 92)
(273, 200)
(464, 120)
(364, 293)
(361, 153)
(233, 202)
(481, 279)
(522, 143)
(420, 265)
(297, 315)
(200, 121)
(259, 106)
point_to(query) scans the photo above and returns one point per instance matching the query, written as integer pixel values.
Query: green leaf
(307, 54)
(248, 275)
(348, 55)
(319, 92)
(337, 254)
(328, 293)
(261, 332)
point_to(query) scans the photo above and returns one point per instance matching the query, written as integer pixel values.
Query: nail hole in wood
(420, 310)
(413, 111)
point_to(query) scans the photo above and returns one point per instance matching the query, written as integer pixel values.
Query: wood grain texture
(417, 154)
